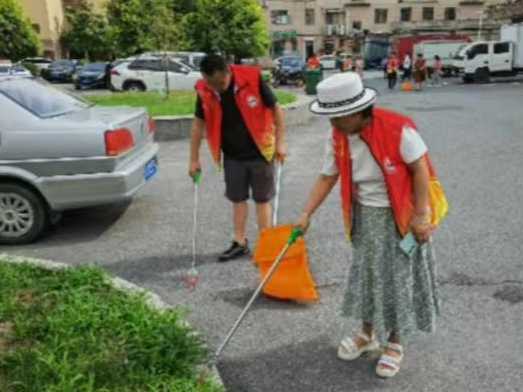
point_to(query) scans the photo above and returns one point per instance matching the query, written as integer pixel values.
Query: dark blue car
(92, 75)
(61, 71)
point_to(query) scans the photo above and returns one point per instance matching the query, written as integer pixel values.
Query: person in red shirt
(392, 70)
(313, 61)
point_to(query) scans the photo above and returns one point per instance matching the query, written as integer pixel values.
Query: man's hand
(281, 151)
(303, 222)
(194, 166)
(421, 228)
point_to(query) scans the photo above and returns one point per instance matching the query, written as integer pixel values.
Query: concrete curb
(170, 128)
(153, 300)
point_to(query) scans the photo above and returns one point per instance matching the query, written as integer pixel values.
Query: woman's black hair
(367, 112)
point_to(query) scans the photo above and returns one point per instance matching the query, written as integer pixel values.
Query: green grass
(69, 330)
(179, 102)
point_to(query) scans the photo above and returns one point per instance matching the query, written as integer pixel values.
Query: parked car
(290, 71)
(147, 73)
(59, 152)
(61, 71)
(329, 62)
(192, 58)
(40, 62)
(91, 76)
(8, 69)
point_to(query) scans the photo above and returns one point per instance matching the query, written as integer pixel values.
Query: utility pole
(480, 23)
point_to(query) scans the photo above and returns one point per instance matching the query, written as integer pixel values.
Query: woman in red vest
(390, 196)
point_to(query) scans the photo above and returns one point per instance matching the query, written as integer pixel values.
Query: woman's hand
(421, 228)
(303, 222)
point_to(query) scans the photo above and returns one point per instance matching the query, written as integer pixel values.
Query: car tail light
(114, 72)
(150, 124)
(118, 141)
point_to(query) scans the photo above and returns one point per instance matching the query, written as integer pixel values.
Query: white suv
(147, 73)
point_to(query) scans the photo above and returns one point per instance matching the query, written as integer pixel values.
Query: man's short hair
(212, 63)
(367, 112)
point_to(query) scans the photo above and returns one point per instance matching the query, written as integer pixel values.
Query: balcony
(441, 25)
(336, 29)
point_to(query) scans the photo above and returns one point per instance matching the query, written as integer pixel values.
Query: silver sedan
(58, 152)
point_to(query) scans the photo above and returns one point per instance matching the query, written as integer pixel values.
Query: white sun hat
(342, 94)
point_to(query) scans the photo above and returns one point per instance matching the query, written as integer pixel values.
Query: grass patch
(179, 102)
(70, 330)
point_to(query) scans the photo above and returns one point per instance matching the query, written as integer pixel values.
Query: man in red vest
(243, 125)
(391, 200)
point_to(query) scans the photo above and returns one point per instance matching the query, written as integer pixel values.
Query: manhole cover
(512, 294)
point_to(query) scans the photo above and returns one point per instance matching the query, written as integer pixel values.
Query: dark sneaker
(236, 250)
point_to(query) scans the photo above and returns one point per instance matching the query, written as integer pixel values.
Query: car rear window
(40, 99)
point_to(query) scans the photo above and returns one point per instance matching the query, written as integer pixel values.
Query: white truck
(478, 61)
(445, 49)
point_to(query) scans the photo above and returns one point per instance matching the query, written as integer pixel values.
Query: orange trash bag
(406, 86)
(291, 279)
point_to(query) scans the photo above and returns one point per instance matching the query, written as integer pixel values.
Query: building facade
(47, 17)
(308, 26)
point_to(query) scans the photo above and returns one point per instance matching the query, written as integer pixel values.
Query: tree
(231, 27)
(18, 38)
(141, 25)
(86, 33)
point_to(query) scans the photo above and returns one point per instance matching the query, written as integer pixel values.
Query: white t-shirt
(366, 173)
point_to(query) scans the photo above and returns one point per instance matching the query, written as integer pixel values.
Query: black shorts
(242, 176)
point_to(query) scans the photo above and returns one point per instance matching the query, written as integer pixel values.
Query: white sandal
(392, 364)
(349, 350)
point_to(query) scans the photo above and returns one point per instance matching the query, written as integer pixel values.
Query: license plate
(150, 169)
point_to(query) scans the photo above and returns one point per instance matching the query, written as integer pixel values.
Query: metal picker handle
(196, 180)
(292, 239)
(279, 167)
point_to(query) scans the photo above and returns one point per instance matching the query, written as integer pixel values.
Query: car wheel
(76, 87)
(482, 75)
(134, 87)
(23, 215)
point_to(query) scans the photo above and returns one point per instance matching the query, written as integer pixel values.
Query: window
(503, 47)
(39, 99)
(428, 13)
(280, 17)
(476, 50)
(146, 65)
(175, 66)
(36, 27)
(356, 25)
(309, 17)
(406, 14)
(450, 13)
(380, 15)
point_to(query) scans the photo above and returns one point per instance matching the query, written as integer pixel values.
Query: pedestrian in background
(420, 71)
(384, 62)
(437, 71)
(407, 68)
(359, 65)
(392, 70)
(388, 189)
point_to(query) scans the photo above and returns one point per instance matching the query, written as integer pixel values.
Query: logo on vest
(389, 166)
(252, 101)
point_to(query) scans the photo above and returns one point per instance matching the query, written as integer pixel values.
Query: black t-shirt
(237, 141)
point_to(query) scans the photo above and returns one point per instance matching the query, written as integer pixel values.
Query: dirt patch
(5, 329)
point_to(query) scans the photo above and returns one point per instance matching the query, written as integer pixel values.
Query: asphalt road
(475, 136)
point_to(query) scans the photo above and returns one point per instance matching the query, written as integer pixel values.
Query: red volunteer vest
(257, 117)
(383, 137)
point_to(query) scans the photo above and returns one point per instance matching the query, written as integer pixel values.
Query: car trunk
(133, 119)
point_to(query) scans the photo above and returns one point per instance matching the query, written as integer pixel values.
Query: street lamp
(481, 14)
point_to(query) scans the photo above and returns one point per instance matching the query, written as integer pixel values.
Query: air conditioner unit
(328, 30)
(341, 30)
